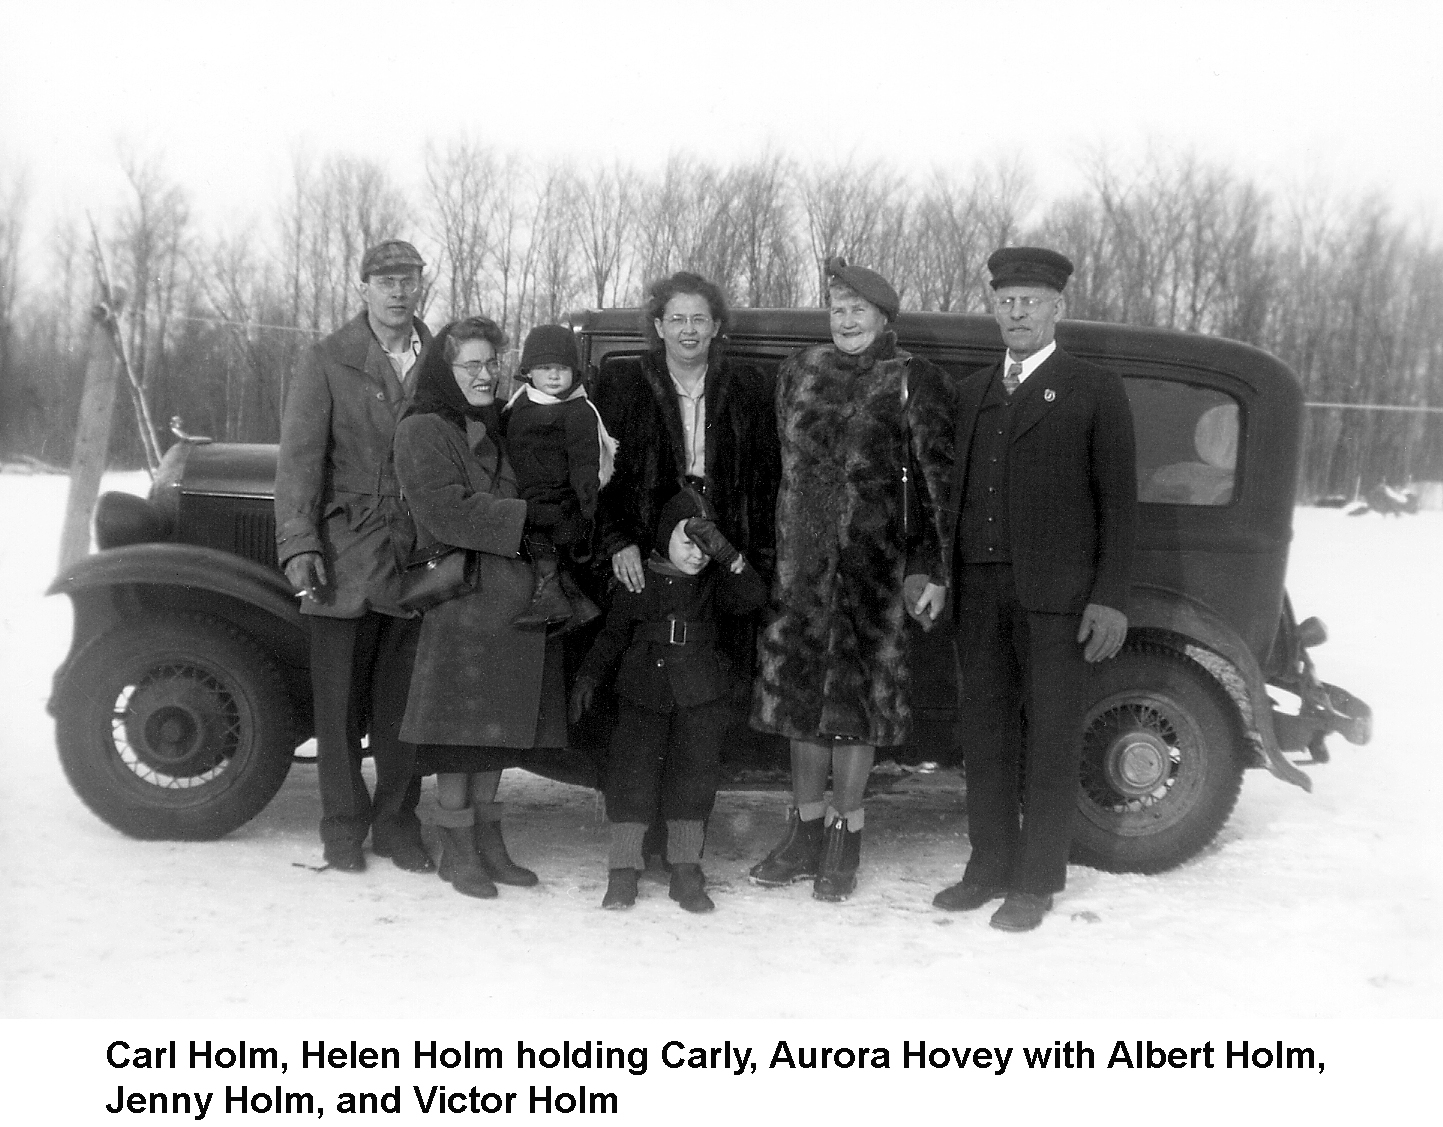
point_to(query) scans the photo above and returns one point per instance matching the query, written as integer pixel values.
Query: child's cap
(684, 505)
(550, 344)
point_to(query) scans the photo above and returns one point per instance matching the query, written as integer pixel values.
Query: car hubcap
(178, 726)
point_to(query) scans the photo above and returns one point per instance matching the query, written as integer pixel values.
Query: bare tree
(603, 216)
(462, 184)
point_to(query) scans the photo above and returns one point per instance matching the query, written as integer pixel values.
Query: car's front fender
(146, 579)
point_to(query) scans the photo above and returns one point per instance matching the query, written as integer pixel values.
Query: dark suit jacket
(1072, 485)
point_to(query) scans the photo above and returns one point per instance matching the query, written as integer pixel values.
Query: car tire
(1162, 763)
(176, 727)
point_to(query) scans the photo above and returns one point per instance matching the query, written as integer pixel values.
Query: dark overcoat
(638, 402)
(478, 680)
(336, 490)
(832, 664)
(1071, 483)
(659, 675)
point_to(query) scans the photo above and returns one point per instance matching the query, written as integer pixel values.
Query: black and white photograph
(833, 519)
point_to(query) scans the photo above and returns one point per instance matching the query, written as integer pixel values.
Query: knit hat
(550, 344)
(684, 504)
(390, 257)
(868, 284)
(1029, 266)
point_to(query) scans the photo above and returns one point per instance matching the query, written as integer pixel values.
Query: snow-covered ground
(1321, 905)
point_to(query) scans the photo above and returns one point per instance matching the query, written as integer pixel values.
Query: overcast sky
(1341, 96)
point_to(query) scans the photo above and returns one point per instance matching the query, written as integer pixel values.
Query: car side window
(1187, 442)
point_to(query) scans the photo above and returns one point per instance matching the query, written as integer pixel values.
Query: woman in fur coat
(483, 691)
(832, 665)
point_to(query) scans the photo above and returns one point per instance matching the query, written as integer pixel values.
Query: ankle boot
(841, 853)
(688, 888)
(491, 851)
(620, 889)
(583, 610)
(460, 866)
(548, 604)
(794, 858)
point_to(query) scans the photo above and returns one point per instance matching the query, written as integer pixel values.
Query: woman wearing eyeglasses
(483, 691)
(832, 665)
(684, 414)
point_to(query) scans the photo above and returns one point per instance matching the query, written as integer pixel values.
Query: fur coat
(832, 664)
(638, 402)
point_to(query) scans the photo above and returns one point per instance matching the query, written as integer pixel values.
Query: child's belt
(675, 632)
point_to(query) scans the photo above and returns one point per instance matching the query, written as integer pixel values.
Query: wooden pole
(149, 441)
(92, 438)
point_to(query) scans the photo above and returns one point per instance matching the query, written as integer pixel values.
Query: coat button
(659, 663)
(380, 395)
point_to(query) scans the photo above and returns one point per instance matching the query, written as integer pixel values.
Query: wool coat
(832, 664)
(556, 451)
(638, 402)
(336, 490)
(659, 675)
(478, 680)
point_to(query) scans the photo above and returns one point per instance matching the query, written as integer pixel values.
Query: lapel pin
(1049, 395)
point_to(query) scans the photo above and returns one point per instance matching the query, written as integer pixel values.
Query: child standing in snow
(671, 689)
(562, 456)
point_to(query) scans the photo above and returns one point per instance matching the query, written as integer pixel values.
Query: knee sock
(683, 842)
(625, 849)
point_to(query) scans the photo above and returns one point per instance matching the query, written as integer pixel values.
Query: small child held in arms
(671, 689)
(562, 455)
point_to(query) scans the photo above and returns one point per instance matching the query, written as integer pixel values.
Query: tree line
(1344, 291)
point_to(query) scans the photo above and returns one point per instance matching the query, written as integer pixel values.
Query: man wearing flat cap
(342, 536)
(1042, 539)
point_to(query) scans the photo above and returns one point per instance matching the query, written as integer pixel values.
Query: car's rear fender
(1179, 622)
(149, 579)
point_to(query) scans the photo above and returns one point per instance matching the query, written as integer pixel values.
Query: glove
(707, 536)
(581, 694)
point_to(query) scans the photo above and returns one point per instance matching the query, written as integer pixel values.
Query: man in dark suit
(342, 536)
(1045, 494)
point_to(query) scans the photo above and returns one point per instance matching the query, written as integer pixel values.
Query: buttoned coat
(336, 490)
(478, 680)
(658, 675)
(1071, 483)
(638, 402)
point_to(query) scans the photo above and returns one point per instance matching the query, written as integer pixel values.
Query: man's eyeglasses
(1026, 304)
(395, 283)
(696, 320)
(474, 368)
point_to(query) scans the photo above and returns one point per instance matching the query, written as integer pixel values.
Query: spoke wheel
(1161, 763)
(177, 727)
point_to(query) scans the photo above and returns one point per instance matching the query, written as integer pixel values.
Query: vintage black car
(185, 692)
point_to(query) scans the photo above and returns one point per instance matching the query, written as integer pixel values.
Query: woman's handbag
(910, 501)
(441, 574)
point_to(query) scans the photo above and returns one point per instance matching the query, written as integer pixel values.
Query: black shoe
(688, 888)
(344, 857)
(405, 853)
(491, 850)
(1021, 911)
(794, 858)
(964, 897)
(620, 889)
(837, 870)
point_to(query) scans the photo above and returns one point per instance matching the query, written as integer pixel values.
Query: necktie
(1012, 379)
